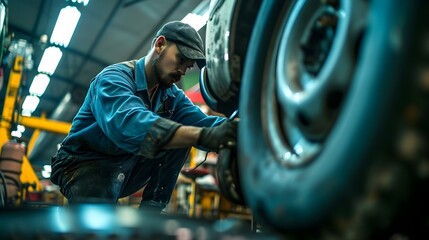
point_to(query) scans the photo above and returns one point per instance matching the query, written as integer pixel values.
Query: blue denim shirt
(117, 116)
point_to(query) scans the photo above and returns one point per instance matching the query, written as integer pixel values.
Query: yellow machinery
(11, 115)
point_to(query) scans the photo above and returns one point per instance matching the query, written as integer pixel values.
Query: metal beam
(45, 124)
(154, 30)
(39, 15)
(100, 34)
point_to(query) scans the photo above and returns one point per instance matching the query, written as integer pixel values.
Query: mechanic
(135, 126)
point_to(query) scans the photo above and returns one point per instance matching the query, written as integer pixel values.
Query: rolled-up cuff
(159, 134)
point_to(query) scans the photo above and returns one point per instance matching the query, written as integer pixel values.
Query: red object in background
(34, 196)
(11, 157)
(194, 94)
(194, 173)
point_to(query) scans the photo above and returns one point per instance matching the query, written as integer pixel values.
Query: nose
(182, 70)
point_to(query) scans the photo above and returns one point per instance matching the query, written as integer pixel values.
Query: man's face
(170, 66)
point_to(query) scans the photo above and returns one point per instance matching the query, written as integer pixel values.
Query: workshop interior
(331, 95)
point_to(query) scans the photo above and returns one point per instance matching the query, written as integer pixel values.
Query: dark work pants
(106, 180)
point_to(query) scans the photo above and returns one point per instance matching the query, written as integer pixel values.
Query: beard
(164, 82)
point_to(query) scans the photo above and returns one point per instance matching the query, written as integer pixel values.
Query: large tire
(334, 143)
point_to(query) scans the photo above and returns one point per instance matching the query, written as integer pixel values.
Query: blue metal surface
(115, 222)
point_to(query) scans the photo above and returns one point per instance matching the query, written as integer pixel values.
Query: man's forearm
(184, 137)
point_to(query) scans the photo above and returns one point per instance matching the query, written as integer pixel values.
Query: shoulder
(122, 67)
(117, 72)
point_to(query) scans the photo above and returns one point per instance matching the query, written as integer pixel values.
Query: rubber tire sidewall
(299, 198)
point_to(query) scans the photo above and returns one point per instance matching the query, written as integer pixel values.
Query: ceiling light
(39, 84)
(196, 21)
(30, 104)
(50, 59)
(65, 26)
(26, 113)
(84, 2)
(199, 16)
(20, 128)
(47, 168)
(16, 134)
(2, 14)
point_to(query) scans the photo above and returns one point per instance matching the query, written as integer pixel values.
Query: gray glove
(224, 135)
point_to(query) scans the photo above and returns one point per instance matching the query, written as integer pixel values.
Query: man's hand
(224, 135)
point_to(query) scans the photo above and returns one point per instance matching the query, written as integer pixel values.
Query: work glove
(214, 138)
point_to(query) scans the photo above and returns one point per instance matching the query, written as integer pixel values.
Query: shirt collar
(140, 75)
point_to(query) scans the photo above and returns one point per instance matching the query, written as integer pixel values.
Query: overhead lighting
(39, 84)
(196, 21)
(2, 14)
(26, 113)
(16, 134)
(50, 59)
(20, 128)
(46, 171)
(65, 26)
(30, 104)
(84, 2)
(199, 16)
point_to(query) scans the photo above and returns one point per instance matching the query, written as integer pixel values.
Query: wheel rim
(309, 76)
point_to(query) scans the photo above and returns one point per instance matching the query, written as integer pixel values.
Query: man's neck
(152, 84)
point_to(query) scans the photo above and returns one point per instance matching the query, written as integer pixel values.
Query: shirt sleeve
(187, 113)
(124, 117)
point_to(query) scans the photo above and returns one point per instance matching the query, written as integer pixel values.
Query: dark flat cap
(187, 39)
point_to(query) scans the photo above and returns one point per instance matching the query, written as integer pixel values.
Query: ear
(160, 44)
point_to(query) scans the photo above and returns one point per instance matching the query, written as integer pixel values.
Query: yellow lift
(10, 115)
